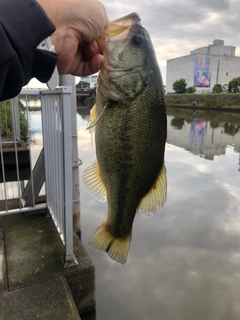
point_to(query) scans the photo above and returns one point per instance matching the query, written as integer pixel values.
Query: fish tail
(117, 248)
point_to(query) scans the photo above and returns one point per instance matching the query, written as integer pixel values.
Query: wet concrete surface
(31, 253)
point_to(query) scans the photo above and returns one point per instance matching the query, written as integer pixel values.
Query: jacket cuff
(37, 25)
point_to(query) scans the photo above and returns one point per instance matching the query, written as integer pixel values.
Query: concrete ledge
(49, 300)
(33, 256)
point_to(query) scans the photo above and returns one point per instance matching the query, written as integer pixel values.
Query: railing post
(69, 80)
(69, 258)
(57, 137)
(15, 118)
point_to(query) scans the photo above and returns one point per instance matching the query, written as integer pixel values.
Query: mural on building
(202, 74)
(198, 131)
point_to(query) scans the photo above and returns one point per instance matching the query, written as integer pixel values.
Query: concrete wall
(179, 68)
(217, 50)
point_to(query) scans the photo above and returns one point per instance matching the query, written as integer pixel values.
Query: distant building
(204, 67)
(90, 79)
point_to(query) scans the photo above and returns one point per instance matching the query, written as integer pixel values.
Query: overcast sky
(179, 26)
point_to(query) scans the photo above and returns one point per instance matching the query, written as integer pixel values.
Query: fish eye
(137, 39)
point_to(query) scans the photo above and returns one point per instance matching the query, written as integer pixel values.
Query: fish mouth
(118, 29)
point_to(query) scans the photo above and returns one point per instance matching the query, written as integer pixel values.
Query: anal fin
(153, 201)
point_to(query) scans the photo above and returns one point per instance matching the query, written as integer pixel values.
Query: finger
(89, 67)
(91, 49)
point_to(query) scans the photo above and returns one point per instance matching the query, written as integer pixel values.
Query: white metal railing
(16, 164)
(57, 138)
(55, 170)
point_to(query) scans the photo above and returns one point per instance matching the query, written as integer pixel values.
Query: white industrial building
(204, 67)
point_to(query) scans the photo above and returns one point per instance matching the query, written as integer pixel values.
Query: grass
(214, 117)
(6, 121)
(213, 100)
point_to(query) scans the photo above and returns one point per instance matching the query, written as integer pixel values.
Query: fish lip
(119, 28)
(134, 16)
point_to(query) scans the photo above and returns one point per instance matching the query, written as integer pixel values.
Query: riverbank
(211, 100)
(217, 117)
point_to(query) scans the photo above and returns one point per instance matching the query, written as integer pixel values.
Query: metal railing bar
(6, 119)
(46, 147)
(29, 148)
(61, 166)
(57, 137)
(68, 181)
(3, 174)
(14, 104)
(41, 206)
(58, 165)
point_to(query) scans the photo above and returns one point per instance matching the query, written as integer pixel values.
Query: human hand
(78, 26)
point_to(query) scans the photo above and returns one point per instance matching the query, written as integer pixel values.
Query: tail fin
(117, 248)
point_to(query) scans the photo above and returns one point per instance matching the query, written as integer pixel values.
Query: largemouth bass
(130, 134)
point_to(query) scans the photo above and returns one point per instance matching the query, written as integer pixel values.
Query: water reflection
(205, 138)
(185, 262)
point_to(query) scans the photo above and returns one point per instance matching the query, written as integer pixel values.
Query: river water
(184, 263)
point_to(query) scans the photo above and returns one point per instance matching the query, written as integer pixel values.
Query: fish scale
(130, 134)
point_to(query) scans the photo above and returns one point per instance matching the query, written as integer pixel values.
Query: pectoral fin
(153, 201)
(93, 182)
(94, 117)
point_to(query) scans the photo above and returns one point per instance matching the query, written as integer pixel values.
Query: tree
(231, 129)
(83, 84)
(217, 88)
(177, 123)
(6, 121)
(179, 86)
(191, 90)
(90, 101)
(233, 85)
(214, 124)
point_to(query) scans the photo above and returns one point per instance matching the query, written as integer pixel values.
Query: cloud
(183, 263)
(177, 27)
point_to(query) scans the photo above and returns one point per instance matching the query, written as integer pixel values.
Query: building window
(226, 73)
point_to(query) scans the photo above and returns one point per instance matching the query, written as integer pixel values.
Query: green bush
(217, 88)
(231, 129)
(179, 86)
(83, 84)
(214, 124)
(90, 101)
(233, 85)
(6, 121)
(177, 123)
(191, 90)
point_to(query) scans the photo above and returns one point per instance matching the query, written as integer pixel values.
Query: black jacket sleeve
(23, 25)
